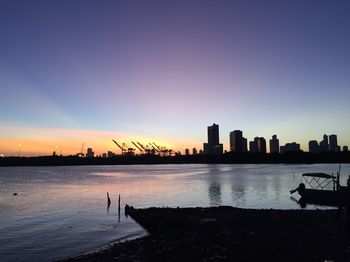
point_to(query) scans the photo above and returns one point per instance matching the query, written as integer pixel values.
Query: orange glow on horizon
(25, 141)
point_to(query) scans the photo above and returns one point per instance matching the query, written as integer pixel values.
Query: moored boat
(321, 189)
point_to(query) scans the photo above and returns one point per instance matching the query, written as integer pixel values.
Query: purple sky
(169, 69)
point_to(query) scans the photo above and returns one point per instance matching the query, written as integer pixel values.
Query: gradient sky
(89, 71)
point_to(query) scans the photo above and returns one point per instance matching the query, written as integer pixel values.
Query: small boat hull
(323, 197)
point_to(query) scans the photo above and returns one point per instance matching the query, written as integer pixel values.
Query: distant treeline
(228, 158)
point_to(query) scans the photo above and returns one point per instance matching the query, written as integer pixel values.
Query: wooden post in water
(108, 200)
(119, 208)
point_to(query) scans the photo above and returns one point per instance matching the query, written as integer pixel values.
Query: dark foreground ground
(232, 234)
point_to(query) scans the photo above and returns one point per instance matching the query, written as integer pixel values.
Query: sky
(74, 72)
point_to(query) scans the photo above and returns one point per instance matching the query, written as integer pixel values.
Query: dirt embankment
(232, 234)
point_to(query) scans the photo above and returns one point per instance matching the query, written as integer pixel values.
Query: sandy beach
(232, 234)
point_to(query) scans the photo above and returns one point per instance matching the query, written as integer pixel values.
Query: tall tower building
(262, 145)
(333, 143)
(213, 134)
(253, 146)
(236, 141)
(258, 145)
(324, 146)
(274, 145)
(213, 146)
(245, 144)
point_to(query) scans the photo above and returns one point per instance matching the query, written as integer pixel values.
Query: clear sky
(74, 72)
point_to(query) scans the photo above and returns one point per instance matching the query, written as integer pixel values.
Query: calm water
(61, 211)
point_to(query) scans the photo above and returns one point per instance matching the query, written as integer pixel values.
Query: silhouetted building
(253, 146)
(245, 145)
(345, 148)
(236, 141)
(262, 145)
(313, 146)
(324, 146)
(187, 152)
(104, 155)
(213, 134)
(194, 151)
(258, 145)
(110, 154)
(333, 143)
(90, 153)
(290, 147)
(213, 146)
(274, 145)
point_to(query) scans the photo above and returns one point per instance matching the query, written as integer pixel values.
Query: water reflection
(239, 186)
(215, 194)
(238, 193)
(214, 189)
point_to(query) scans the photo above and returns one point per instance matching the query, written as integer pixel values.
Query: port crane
(138, 147)
(154, 149)
(146, 149)
(130, 150)
(159, 149)
(163, 150)
(121, 147)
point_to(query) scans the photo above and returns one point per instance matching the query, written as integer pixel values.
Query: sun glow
(27, 141)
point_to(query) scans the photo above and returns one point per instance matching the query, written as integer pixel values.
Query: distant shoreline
(228, 158)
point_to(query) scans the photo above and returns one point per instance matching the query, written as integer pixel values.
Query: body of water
(62, 211)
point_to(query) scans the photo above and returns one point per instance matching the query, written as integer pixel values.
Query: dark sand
(232, 234)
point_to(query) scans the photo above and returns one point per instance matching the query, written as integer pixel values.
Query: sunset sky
(74, 72)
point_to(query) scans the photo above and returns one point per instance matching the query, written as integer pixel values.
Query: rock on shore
(232, 234)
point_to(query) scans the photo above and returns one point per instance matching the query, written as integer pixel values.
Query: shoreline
(227, 158)
(106, 246)
(231, 234)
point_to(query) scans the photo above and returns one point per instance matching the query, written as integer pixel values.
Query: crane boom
(121, 148)
(139, 148)
(157, 146)
(154, 147)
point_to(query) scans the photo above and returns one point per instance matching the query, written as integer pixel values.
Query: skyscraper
(313, 146)
(333, 143)
(274, 145)
(245, 144)
(236, 141)
(213, 146)
(262, 145)
(213, 134)
(253, 147)
(324, 146)
(258, 145)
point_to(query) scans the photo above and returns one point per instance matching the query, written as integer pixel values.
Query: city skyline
(213, 144)
(76, 72)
